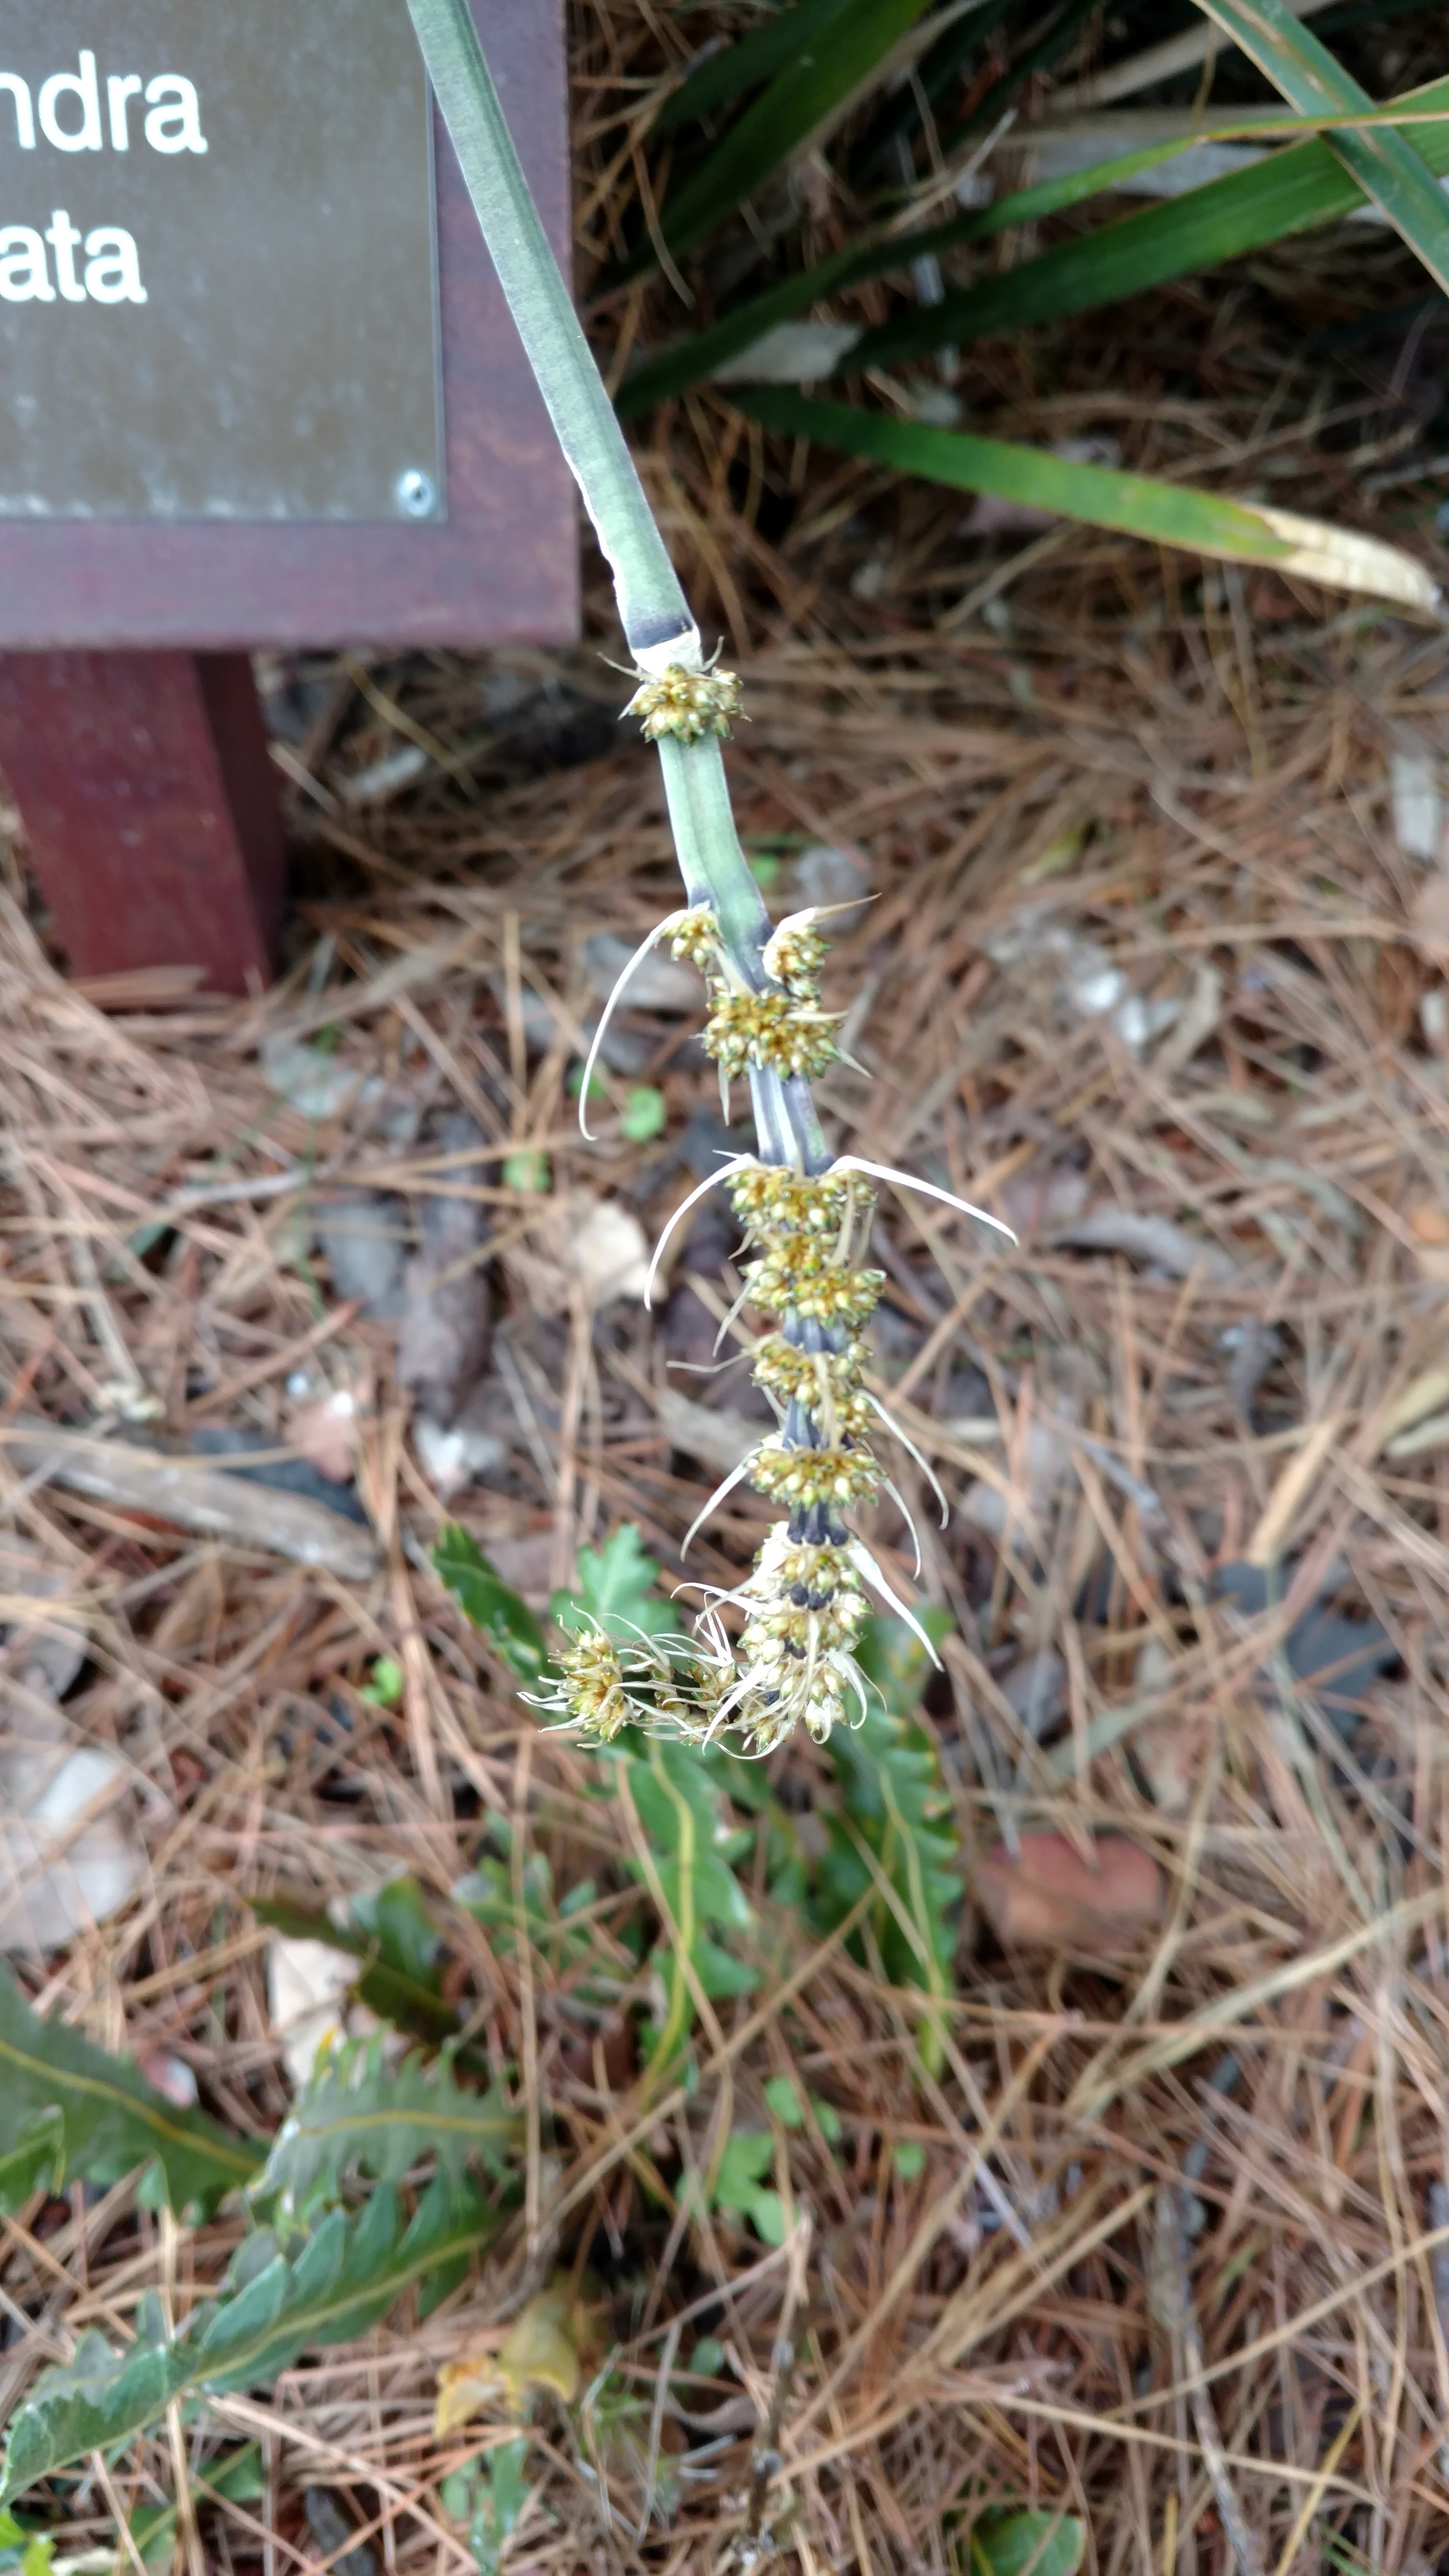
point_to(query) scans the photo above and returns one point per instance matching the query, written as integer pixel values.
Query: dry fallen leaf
(540, 2350)
(307, 1984)
(1048, 1897)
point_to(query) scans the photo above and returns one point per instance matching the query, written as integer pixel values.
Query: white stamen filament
(701, 1190)
(928, 1189)
(671, 921)
(865, 1564)
(927, 1470)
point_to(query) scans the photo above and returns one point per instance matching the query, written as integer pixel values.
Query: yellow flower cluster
(803, 1601)
(686, 704)
(770, 1029)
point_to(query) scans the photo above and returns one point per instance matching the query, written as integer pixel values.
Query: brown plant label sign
(218, 263)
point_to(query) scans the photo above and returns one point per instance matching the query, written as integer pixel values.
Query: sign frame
(501, 565)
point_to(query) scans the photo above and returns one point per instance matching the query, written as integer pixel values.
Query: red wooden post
(149, 799)
(129, 729)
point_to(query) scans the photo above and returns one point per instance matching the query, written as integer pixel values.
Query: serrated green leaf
(1027, 2544)
(36, 2161)
(615, 1586)
(1171, 514)
(491, 1605)
(112, 2120)
(361, 2114)
(1294, 191)
(828, 67)
(343, 2281)
(1385, 164)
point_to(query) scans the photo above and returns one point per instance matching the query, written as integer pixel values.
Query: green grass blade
(742, 66)
(112, 2120)
(1294, 191)
(1384, 163)
(799, 98)
(873, 256)
(1170, 514)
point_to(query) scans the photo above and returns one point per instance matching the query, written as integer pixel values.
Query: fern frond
(273, 2306)
(111, 2119)
(360, 2114)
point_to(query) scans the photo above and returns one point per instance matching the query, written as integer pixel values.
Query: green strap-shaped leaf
(1384, 163)
(744, 65)
(359, 2113)
(1170, 514)
(826, 70)
(112, 2120)
(1291, 192)
(275, 2305)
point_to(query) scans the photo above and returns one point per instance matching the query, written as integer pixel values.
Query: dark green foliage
(742, 66)
(361, 2115)
(486, 1600)
(872, 254)
(1293, 191)
(110, 2119)
(954, 51)
(832, 55)
(896, 1811)
(274, 2305)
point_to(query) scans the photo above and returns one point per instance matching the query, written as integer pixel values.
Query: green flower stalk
(806, 1215)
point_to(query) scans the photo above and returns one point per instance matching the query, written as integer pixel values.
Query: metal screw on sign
(417, 492)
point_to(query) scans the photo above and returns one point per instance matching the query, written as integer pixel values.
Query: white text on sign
(67, 110)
